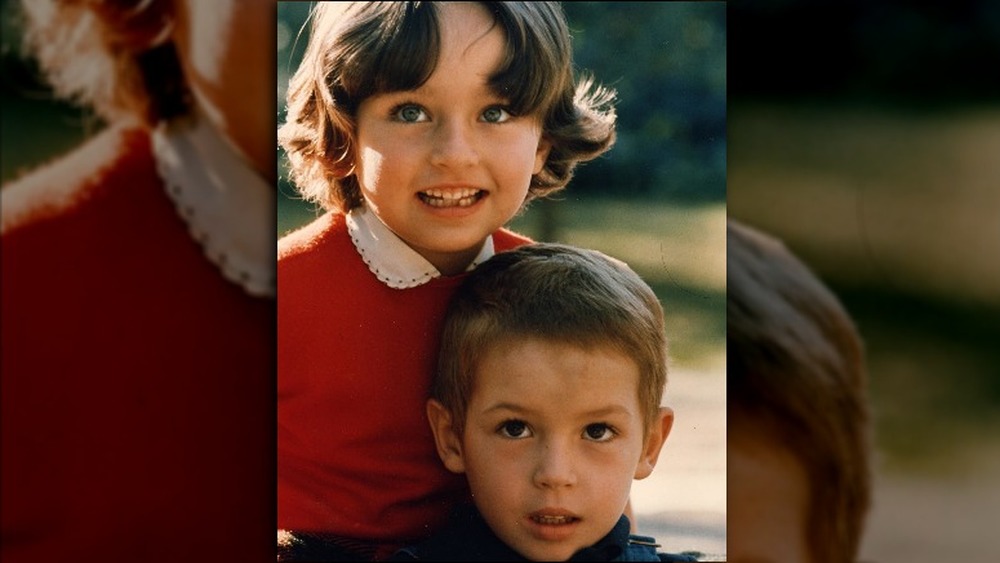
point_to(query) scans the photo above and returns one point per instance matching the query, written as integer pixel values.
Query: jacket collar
(468, 538)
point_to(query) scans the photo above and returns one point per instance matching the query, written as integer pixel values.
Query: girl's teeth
(456, 198)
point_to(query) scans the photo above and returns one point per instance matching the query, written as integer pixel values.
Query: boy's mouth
(553, 517)
(463, 197)
(553, 520)
(553, 524)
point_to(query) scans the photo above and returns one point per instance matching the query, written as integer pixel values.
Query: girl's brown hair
(361, 49)
(114, 56)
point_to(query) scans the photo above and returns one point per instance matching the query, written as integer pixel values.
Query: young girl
(422, 128)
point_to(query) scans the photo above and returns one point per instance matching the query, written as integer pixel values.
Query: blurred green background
(867, 136)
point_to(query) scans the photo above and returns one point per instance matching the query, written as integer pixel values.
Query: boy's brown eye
(599, 432)
(513, 429)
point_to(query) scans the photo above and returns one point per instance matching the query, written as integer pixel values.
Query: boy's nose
(555, 468)
(454, 146)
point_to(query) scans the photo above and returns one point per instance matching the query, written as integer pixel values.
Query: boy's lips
(552, 524)
(451, 196)
(553, 517)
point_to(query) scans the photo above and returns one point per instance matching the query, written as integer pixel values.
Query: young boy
(547, 397)
(798, 471)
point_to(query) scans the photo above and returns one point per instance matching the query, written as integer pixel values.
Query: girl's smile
(446, 197)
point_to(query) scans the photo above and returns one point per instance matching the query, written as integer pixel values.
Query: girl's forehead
(395, 47)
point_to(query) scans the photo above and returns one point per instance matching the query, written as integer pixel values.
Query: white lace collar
(228, 207)
(393, 262)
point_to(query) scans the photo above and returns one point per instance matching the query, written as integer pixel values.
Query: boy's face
(553, 438)
(445, 165)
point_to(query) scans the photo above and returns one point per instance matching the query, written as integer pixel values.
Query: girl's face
(446, 165)
(218, 62)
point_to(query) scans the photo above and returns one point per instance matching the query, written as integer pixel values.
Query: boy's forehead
(518, 362)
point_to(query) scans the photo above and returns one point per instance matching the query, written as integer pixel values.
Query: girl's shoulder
(310, 238)
(108, 163)
(505, 239)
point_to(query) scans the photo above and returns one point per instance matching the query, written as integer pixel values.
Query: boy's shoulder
(643, 548)
(467, 537)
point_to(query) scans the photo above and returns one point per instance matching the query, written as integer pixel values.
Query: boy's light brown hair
(796, 372)
(360, 49)
(554, 293)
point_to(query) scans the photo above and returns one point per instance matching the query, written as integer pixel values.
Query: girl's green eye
(410, 114)
(495, 114)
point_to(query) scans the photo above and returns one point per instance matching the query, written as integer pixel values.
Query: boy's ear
(449, 443)
(654, 442)
(542, 154)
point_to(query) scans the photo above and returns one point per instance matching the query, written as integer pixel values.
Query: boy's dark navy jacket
(466, 537)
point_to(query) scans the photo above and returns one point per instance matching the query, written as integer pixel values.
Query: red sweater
(356, 456)
(137, 383)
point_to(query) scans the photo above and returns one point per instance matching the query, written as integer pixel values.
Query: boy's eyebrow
(608, 410)
(508, 406)
(596, 413)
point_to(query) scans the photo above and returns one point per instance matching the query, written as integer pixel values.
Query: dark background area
(910, 53)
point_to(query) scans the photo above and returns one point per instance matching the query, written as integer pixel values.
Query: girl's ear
(654, 442)
(542, 154)
(449, 443)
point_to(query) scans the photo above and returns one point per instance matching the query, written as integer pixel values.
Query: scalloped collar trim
(392, 261)
(228, 207)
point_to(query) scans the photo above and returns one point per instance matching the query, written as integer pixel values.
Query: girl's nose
(555, 467)
(454, 146)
